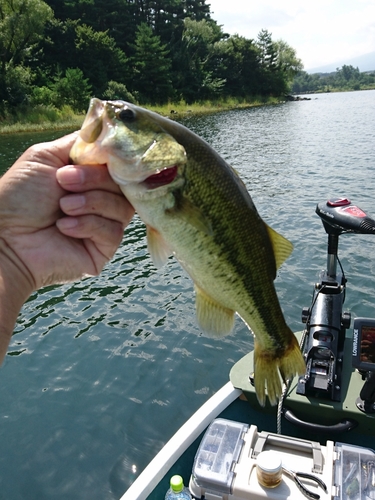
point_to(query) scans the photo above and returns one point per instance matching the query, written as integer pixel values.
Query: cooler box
(225, 466)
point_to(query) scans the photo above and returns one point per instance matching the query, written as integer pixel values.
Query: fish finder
(363, 359)
(363, 354)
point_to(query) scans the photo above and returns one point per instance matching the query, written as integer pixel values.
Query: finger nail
(69, 175)
(72, 202)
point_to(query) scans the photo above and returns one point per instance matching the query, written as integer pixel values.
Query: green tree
(304, 82)
(21, 27)
(16, 85)
(287, 60)
(73, 89)
(70, 88)
(267, 50)
(198, 78)
(56, 51)
(99, 58)
(151, 67)
(237, 63)
(348, 73)
(118, 91)
(271, 78)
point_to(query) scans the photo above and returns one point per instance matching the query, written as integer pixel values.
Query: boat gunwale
(180, 441)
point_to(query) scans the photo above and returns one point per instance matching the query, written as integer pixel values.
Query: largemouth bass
(196, 207)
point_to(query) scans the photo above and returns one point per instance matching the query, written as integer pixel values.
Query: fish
(196, 208)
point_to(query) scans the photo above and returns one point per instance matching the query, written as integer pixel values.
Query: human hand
(58, 223)
(48, 247)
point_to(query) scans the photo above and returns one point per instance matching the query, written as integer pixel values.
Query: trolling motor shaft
(324, 343)
(326, 323)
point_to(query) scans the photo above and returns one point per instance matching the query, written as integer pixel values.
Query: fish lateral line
(198, 209)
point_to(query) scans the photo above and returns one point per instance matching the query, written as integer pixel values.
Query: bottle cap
(177, 483)
(269, 469)
(269, 462)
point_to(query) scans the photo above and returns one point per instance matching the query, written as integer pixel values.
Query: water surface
(101, 372)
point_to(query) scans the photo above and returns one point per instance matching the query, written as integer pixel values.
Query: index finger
(77, 178)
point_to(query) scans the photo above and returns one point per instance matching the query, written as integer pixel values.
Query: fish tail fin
(268, 366)
(266, 374)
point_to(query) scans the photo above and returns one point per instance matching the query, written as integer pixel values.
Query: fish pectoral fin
(282, 247)
(158, 248)
(214, 319)
(191, 214)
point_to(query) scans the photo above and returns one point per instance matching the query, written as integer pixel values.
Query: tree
(99, 58)
(118, 91)
(21, 27)
(271, 78)
(70, 88)
(267, 50)
(73, 89)
(16, 85)
(56, 52)
(197, 52)
(151, 67)
(348, 73)
(236, 59)
(287, 60)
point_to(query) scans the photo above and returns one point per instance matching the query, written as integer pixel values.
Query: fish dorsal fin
(214, 319)
(191, 214)
(157, 247)
(282, 247)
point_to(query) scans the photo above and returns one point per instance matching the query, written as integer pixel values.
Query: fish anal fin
(157, 247)
(214, 319)
(191, 214)
(268, 367)
(282, 247)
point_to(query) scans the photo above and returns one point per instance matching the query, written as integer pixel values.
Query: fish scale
(199, 210)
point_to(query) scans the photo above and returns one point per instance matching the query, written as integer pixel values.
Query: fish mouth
(162, 178)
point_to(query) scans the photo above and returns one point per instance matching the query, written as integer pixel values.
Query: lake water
(100, 373)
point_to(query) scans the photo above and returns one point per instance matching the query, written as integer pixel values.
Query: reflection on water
(104, 370)
(13, 145)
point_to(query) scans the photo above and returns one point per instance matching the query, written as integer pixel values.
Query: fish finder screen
(367, 348)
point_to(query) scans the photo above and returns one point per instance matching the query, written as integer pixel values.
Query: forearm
(15, 288)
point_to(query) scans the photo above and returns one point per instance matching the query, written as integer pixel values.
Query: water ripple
(104, 370)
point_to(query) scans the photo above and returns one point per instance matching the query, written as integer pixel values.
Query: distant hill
(364, 63)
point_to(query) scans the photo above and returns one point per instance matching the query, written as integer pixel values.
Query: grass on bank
(206, 107)
(40, 118)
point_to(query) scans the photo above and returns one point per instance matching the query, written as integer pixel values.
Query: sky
(321, 31)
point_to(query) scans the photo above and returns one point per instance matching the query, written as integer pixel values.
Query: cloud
(322, 32)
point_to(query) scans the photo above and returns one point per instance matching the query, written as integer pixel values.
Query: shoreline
(173, 111)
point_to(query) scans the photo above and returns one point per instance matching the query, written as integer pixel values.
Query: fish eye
(126, 115)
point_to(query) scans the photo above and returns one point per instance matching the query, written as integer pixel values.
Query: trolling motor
(326, 323)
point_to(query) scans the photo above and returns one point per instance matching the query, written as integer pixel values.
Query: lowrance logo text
(355, 342)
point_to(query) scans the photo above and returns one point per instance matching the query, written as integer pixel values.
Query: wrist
(15, 289)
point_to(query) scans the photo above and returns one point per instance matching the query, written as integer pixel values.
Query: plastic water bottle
(177, 490)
